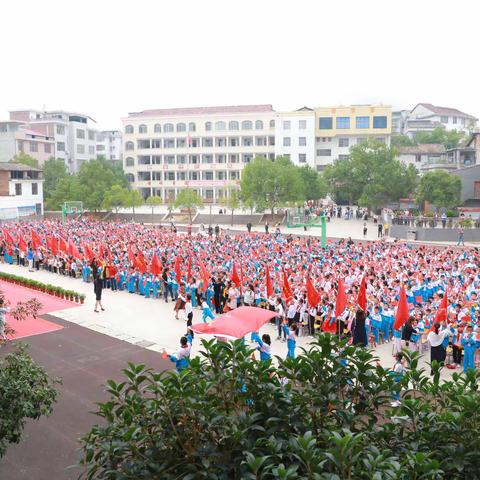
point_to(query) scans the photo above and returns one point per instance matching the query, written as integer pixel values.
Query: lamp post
(324, 230)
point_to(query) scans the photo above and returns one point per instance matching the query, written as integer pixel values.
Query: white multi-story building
(110, 145)
(75, 134)
(21, 191)
(200, 148)
(295, 136)
(425, 117)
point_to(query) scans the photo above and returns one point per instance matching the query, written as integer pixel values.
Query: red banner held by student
(155, 267)
(268, 282)
(177, 268)
(313, 296)
(341, 302)
(402, 310)
(362, 295)
(287, 291)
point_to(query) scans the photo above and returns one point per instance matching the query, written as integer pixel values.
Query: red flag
(88, 252)
(131, 255)
(178, 271)
(287, 291)
(155, 267)
(268, 282)
(62, 245)
(22, 244)
(189, 268)
(341, 302)
(441, 315)
(54, 247)
(402, 310)
(36, 240)
(204, 274)
(235, 277)
(241, 279)
(70, 248)
(362, 295)
(313, 297)
(48, 242)
(140, 264)
(8, 236)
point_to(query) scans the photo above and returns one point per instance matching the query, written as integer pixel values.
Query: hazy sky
(106, 58)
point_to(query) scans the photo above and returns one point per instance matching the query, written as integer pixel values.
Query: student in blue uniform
(182, 358)
(263, 345)
(290, 333)
(469, 344)
(206, 311)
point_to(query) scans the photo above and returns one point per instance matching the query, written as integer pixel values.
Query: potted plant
(82, 298)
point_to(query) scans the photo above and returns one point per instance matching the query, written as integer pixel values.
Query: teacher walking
(97, 288)
(435, 339)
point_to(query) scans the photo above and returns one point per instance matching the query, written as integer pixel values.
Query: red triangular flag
(313, 297)
(178, 271)
(341, 302)
(362, 295)
(54, 247)
(155, 267)
(36, 240)
(204, 274)
(8, 236)
(268, 282)
(22, 244)
(235, 277)
(441, 315)
(287, 291)
(402, 310)
(62, 245)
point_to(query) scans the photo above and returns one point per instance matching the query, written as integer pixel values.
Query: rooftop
(10, 167)
(169, 112)
(423, 148)
(444, 110)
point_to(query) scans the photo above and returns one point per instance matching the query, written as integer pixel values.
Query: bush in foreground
(325, 415)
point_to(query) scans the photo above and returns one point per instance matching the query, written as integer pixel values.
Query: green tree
(67, 189)
(231, 200)
(400, 140)
(448, 138)
(324, 415)
(134, 199)
(315, 186)
(25, 159)
(115, 197)
(372, 176)
(269, 184)
(153, 201)
(189, 200)
(439, 188)
(54, 170)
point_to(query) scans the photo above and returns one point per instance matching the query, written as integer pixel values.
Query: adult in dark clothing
(408, 331)
(266, 227)
(210, 230)
(97, 288)
(249, 227)
(217, 231)
(218, 287)
(94, 267)
(359, 334)
(167, 286)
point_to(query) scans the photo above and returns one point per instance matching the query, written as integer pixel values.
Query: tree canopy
(54, 170)
(115, 197)
(314, 185)
(439, 188)
(25, 159)
(189, 200)
(372, 176)
(448, 138)
(325, 415)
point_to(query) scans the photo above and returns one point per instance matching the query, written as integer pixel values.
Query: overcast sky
(106, 58)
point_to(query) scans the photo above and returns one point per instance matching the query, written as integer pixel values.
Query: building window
(234, 175)
(362, 122)
(157, 128)
(343, 142)
(168, 128)
(261, 141)
(181, 159)
(302, 158)
(258, 125)
(302, 141)
(343, 157)
(220, 126)
(91, 150)
(194, 175)
(156, 143)
(20, 146)
(169, 143)
(33, 146)
(302, 124)
(208, 175)
(247, 125)
(233, 142)
(170, 176)
(247, 141)
(156, 159)
(233, 125)
(361, 140)
(100, 148)
(192, 127)
(181, 142)
(454, 119)
(34, 188)
(286, 125)
(129, 146)
(208, 126)
(220, 142)
(47, 148)
(80, 133)
(129, 162)
(233, 158)
(247, 157)
(60, 130)
(142, 129)
(181, 176)
(194, 159)
(91, 135)
(272, 123)
(181, 127)
(60, 146)
(18, 189)
(129, 129)
(207, 142)
(324, 152)
(325, 123)
(444, 119)
(221, 158)
(380, 122)
(207, 158)
(169, 159)
(80, 148)
(286, 141)
(343, 122)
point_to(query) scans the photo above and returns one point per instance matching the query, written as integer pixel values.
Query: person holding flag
(436, 339)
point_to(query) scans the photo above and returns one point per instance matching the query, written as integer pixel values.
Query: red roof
(444, 110)
(168, 112)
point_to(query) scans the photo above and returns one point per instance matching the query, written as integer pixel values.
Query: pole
(64, 214)
(324, 230)
(210, 219)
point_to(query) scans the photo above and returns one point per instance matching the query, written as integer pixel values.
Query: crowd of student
(218, 272)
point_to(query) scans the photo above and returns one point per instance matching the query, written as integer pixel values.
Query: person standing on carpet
(97, 288)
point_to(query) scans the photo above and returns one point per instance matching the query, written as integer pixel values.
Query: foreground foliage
(325, 415)
(26, 392)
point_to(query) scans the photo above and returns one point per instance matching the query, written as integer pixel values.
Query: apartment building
(204, 148)
(295, 136)
(340, 128)
(110, 145)
(74, 134)
(15, 137)
(21, 191)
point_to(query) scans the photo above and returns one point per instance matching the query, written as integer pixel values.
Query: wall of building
(468, 177)
(7, 146)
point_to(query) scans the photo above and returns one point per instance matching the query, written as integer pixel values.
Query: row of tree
(440, 135)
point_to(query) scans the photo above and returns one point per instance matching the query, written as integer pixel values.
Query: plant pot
(82, 300)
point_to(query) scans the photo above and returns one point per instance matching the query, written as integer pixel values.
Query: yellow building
(337, 129)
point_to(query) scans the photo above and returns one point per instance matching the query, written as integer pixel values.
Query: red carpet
(33, 326)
